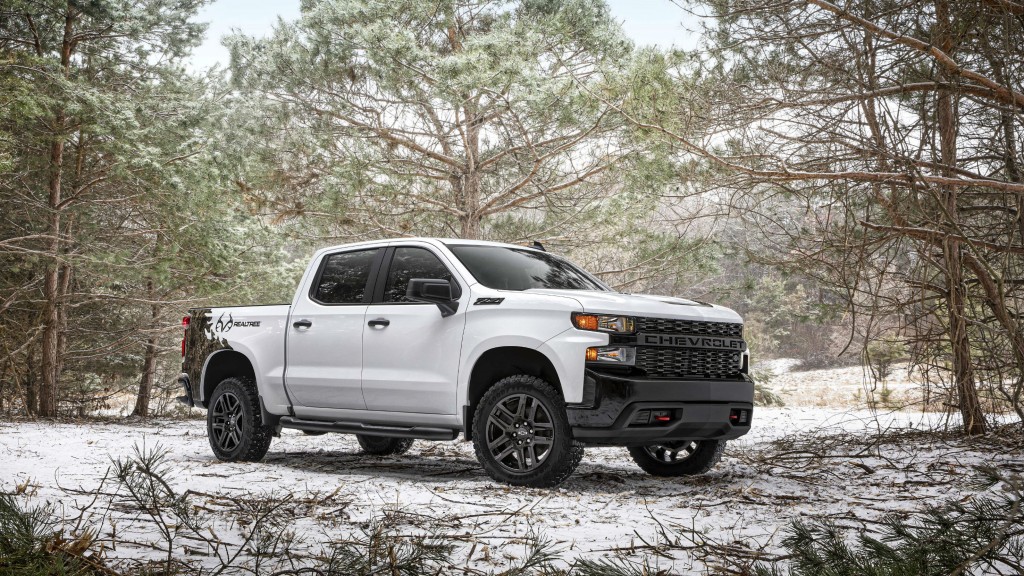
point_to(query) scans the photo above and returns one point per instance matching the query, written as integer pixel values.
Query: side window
(411, 263)
(344, 276)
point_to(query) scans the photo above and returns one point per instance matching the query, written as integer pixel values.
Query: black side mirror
(434, 291)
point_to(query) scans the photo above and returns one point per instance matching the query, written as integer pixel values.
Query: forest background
(846, 176)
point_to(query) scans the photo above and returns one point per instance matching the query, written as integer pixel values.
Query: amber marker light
(591, 354)
(586, 322)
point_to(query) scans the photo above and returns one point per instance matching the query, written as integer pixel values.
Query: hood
(644, 305)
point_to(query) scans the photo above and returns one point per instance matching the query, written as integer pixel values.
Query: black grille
(663, 362)
(695, 327)
(671, 362)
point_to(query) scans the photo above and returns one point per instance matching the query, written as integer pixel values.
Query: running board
(419, 432)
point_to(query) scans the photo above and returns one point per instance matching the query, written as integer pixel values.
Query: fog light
(662, 416)
(739, 417)
(625, 355)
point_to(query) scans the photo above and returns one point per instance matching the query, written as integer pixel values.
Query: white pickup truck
(520, 351)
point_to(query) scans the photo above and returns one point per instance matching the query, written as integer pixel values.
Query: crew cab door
(410, 353)
(325, 332)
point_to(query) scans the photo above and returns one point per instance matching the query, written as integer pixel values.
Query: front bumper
(619, 410)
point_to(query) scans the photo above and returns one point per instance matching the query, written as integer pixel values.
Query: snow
(848, 387)
(609, 506)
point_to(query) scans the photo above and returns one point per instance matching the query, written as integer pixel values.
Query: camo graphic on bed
(203, 337)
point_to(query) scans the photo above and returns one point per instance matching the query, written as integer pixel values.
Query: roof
(434, 241)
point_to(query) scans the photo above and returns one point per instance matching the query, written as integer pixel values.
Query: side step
(419, 432)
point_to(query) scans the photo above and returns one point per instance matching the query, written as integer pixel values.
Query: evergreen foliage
(31, 543)
(983, 535)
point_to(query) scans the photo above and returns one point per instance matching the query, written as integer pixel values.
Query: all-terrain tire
(381, 446)
(549, 469)
(659, 460)
(234, 423)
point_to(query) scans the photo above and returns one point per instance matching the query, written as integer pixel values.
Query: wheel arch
(221, 365)
(501, 362)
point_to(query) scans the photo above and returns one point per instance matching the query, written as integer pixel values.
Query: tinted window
(343, 279)
(411, 263)
(513, 269)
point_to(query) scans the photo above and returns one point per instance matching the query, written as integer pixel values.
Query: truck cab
(520, 351)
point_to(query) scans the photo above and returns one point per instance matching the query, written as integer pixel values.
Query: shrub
(984, 535)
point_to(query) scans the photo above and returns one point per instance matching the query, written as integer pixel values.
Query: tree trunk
(52, 281)
(471, 181)
(956, 289)
(471, 207)
(3, 392)
(149, 360)
(31, 385)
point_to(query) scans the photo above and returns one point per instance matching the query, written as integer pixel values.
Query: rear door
(410, 353)
(325, 332)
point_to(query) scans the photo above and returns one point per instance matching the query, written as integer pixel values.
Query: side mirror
(434, 291)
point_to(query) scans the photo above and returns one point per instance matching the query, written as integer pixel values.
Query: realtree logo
(222, 326)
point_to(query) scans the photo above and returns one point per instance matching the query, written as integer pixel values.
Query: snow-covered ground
(847, 387)
(767, 479)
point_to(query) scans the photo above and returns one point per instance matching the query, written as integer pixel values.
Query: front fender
(567, 352)
(477, 349)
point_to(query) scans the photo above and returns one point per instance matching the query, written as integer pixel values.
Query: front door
(325, 333)
(410, 353)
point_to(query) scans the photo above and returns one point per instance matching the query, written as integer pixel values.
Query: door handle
(379, 323)
(302, 323)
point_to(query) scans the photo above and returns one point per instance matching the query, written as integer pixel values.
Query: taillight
(184, 324)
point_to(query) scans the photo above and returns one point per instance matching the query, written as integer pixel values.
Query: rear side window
(343, 278)
(411, 263)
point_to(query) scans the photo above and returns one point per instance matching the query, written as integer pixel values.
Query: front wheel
(521, 434)
(234, 423)
(683, 458)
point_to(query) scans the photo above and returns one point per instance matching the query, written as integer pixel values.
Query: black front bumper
(618, 410)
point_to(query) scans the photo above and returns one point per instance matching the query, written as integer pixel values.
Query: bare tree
(875, 146)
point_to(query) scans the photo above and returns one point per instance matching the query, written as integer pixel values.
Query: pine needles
(138, 522)
(31, 543)
(983, 535)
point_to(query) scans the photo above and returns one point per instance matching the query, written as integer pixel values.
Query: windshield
(505, 268)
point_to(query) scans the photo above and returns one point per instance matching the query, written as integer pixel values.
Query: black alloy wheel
(682, 458)
(672, 452)
(225, 414)
(234, 422)
(521, 433)
(381, 446)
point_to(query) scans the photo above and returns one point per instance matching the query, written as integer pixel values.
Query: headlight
(603, 323)
(625, 355)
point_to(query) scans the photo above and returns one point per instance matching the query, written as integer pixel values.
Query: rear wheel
(521, 434)
(683, 458)
(234, 424)
(381, 446)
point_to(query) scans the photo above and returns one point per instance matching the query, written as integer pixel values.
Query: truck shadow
(446, 468)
